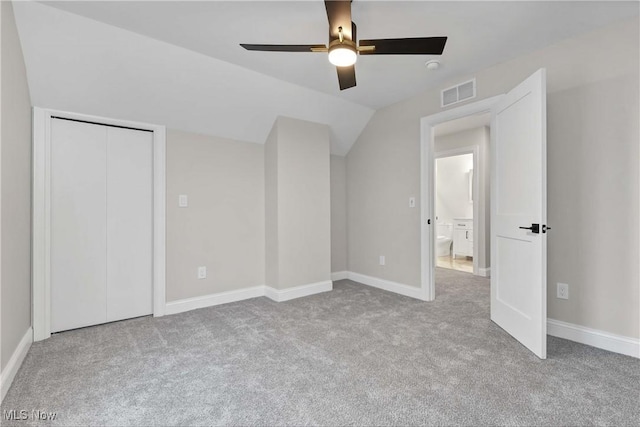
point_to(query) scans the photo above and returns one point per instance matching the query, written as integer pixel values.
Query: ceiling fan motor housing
(342, 53)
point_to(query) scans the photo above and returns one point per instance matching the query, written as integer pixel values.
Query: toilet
(444, 239)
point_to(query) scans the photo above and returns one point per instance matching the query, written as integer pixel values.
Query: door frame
(427, 186)
(475, 151)
(41, 221)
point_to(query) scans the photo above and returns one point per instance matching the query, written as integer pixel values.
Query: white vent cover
(458, 93)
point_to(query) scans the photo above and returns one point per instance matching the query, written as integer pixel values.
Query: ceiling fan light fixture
(343, 54)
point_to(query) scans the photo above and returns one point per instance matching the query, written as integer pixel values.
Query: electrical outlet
(202, 272)
(563, 291)
(382, 260)
(412, 202)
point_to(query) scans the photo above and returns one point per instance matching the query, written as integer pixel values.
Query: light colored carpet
(353, 356)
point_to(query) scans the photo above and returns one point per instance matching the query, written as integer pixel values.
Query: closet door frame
(41, 220)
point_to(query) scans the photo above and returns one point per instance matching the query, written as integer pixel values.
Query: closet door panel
(78, 224)
(129, 223)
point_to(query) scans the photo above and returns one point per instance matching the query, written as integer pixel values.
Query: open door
(519, 214)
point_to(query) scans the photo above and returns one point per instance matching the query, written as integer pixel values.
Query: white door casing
(518, 199)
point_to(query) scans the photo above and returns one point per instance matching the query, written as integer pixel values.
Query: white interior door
(129, 223)
(78, 224)
(518, 199)
(101, 224)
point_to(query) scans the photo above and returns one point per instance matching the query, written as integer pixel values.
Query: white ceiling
(480, 34)
(180, 63)
(81, 65)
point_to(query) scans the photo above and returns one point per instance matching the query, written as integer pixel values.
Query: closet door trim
(41, 221)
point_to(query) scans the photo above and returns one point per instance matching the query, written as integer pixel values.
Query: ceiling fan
(344, 48)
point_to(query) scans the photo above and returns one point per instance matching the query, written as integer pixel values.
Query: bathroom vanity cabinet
(462, 237)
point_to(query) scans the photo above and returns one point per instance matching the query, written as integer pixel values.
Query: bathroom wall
(452, 188)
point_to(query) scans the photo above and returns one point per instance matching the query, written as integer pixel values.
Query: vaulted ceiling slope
(480, 34)
(81, 65)
(179, 62)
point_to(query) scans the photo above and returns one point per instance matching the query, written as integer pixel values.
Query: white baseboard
(10, 371)
(339, 275)
(180, 306)
(484, 272)
(387, 285)
(593, 337)
(280, 295)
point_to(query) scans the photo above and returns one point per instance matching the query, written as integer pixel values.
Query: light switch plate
(202, 272)
(412, 202)
(183, 201)
(382, 260)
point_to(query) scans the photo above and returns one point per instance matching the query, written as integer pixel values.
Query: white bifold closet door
(101, 224)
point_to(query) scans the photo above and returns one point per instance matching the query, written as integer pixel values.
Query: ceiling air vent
(458, 93)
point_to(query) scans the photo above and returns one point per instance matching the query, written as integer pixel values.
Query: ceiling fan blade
(285, 47)
(339, 15)
(346, 76)
(354, 31)
(408, 46)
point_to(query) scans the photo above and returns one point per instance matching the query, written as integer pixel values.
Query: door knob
(535, 228)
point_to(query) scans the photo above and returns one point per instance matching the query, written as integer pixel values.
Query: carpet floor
(353, 356)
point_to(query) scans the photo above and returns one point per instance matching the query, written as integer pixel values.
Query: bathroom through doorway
(461, 199)
(454, 212)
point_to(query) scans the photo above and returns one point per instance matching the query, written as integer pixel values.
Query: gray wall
(383, 171)
(16, 189)
(593, 204)
(299, 165)
(479, 137)
(271, 205)
(338, 214)
(223, 227)
(592, 85)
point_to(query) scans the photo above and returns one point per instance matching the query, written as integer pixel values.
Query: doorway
(52, 201)
(449, 122)
(517, 210)
(455, 205)
(101, 223)
(461, 194)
